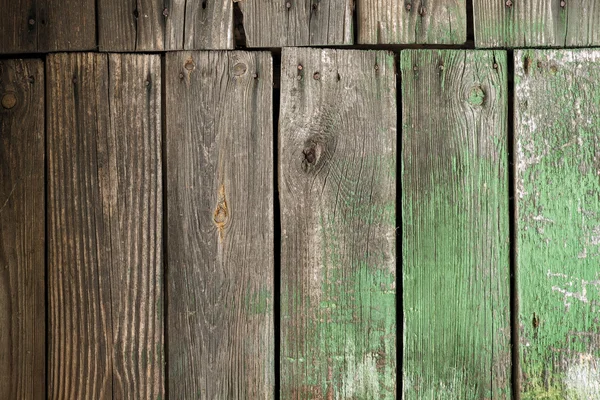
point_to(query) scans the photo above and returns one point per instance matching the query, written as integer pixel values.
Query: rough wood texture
(419, 21)
(17, 34)
(455, 232)
(337, 155)
(297, 22)
(557, 98)
(220, 225)
(22, 268)
(518, 23)
(104, 227)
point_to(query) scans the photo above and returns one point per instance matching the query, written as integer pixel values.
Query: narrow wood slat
(22, 269)
(455, 225)
(514, 23)
(337, 169)
(104, 226)
(406, 22)
(297, 22)
(220, 225)
(557, 150)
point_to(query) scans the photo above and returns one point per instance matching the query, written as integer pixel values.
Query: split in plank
(455, 225)
(22, 268)
(220, 182)
(104, 226)
(337, 155)
(557, 148)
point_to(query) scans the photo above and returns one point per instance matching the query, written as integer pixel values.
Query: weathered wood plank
(297, 22)
(393, 21)
(557, 99)
(220, 225)
(22, 268)
(455, 231)
(337, 153)
(18, 34)
(104, 226)
(514, 23)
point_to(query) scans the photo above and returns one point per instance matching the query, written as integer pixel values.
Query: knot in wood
(165, 12)
(189, 64)
(563, 3)
(309, 157)
(476, 96)
(221, 212)
(317, 76)
(9, 100)
(509, 3)
(239, 69)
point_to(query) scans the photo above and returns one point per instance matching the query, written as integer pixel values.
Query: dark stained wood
(517, 23)
(22, 269)
(104, 226)
(17, 34)
(219, 139)
(297, 22)
(337, 169)
(395, 21)
(455, 225)
(557, 191)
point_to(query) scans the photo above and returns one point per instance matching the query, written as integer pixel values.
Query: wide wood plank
(22, 268)
(297, 22)
(337, 170)
(220, 225)
(557, 149)
(104, 226)
(455, 231)
(407, 22)
(513, 23)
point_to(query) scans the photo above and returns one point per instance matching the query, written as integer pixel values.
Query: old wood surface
(455, 232)
(391, 21)
(220, 225)
(557, 98)
(337, 169)
(297, 22)
(515, 23)
(104, 226)
(22, 301)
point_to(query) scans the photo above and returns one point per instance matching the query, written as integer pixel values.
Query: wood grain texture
(407, 22)
(455, 231)
(22, 268)
(337, 169)
(558, 222)
(516, 23)
(104, 226)
(132, 26)
(18, 35)
(220, 225)
(297, 22)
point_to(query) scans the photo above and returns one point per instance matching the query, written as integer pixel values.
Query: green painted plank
(337, 177)
(455, 230)
(557, 123)
(518, 23)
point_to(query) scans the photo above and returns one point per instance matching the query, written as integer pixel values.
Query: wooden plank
(558, 222)
(512, 23)
(104, 226)
(406, 22)
(337, 153)
(297, 22)
(220, 225)
(131, 26)
(18, 34)
(455, 230)
(22, 268)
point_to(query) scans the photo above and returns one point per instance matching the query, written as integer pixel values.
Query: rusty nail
(376, 67)
(509, 3)
(147, 82)
(300, 67)
(441, 67)
(166, 12)
(495, 66)
(315, 6)
(422, 11)
(414, 68)
(317, 76)
(288, 4)
(9, 101)
(563, 3)
(181, 76)
(31, 79)
(255, 76)
(31, 21)
(408, 6)
(75, 80)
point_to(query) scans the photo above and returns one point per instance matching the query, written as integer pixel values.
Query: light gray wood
(337, 186)
(517, 23)
(220, 180)
(297, 22)
(22, 267)
(104, 226)
(407, 22)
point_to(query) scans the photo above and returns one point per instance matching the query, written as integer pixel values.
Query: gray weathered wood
(455, 225)
(220, 225)
(337, 169)
(557, 151)
(518, 23)
(297, 22)
(394, 21)
(22, 269)
(104, 226)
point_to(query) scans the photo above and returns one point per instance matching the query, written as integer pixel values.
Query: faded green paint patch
(259, 302)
